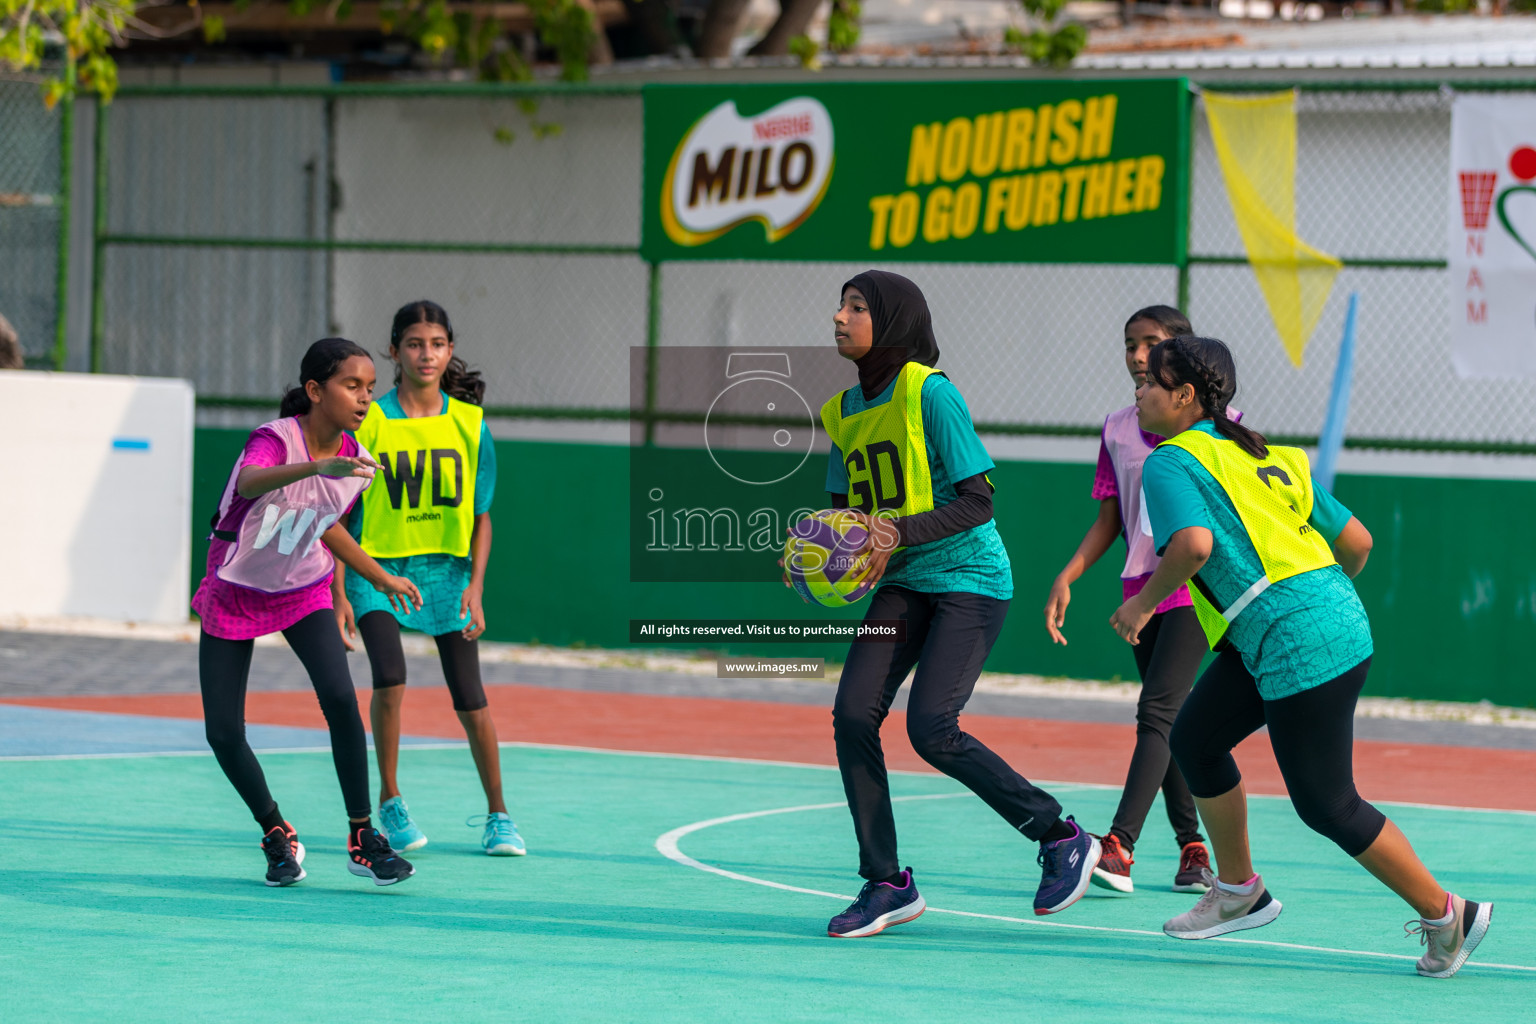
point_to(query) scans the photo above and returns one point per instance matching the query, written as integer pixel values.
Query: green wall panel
(1451, 586)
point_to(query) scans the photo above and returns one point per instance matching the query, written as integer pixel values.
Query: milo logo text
(406, 472)
(773, 168)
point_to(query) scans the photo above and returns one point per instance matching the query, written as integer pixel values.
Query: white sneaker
(1220, 912)
(1451, 943)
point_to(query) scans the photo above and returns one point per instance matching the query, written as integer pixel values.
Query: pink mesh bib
(1127, 451)
(277, 546)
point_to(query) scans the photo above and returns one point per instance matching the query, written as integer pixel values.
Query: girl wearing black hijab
(906, 459)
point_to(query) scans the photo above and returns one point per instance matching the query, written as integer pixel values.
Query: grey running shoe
(1450, 944)
(1220, 912)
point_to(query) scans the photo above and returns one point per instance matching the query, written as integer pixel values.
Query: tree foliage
(86, 29)
(1046, 44)
(469, 35)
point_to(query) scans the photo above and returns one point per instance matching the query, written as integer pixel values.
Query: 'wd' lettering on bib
(883, 448)
(425, 499)
(277, 548)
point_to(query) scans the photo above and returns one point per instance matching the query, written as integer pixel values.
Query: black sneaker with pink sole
(369, 855)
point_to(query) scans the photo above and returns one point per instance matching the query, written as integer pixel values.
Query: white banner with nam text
(1492, 252)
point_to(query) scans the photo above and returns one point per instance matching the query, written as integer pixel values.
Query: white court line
(667, 845)
(1053, 784)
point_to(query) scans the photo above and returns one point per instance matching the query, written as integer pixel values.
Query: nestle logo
(782, 127)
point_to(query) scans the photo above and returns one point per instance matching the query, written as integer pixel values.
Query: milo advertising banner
(1015, 171)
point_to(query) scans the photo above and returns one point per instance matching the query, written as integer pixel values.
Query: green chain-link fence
(234, 226)
(33, 205)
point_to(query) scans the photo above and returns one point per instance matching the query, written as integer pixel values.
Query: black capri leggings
(1313, 735)
(224, 668)
(460, 659)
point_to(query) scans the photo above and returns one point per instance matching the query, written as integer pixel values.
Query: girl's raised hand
(402, 593)
(1056, 609)
(345, 466)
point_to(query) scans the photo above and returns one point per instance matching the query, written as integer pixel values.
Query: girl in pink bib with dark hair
(269, 570)
(1172, 644)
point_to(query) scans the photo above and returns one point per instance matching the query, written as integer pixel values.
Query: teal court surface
(666, 888)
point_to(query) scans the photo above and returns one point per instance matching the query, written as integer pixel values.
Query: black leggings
(948, 638)
(1168, 654)
(460, 659)
(224, 668)
(1312, 733)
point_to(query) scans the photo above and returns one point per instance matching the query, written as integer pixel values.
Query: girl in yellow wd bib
(1268, 557)
(905, 457)
(430, 511)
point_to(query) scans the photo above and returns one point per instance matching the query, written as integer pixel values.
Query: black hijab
(903, 329)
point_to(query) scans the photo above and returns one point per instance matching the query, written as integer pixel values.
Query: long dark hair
(1206, 365)
(459, 381)
(320, 364)
(1169, 319)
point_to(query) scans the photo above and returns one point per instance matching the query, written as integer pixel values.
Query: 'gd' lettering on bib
(424, 500)
(883, 448)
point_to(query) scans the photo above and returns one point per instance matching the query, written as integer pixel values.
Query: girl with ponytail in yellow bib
(431, 511)
(1269, 559)
(906, 459)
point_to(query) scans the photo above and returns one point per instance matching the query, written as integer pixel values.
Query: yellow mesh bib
(1273, 498)
(883, 448)
(423, 499)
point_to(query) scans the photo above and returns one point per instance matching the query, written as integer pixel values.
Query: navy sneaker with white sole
(285, 855)
(880, 905)
(1066, 868)
(370, 856)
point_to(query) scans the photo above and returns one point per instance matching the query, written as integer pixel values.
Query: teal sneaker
(401, 831)
(501, 838)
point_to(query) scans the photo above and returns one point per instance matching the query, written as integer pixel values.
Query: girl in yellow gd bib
(905, 457)
(431, 511)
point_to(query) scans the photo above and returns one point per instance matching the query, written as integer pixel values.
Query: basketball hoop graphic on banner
(1492, 253)
(1477, 198)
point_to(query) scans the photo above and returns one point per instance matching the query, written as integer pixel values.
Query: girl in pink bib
(270, 562)
(1172, 644)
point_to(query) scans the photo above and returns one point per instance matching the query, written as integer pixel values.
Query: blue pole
(1331, 441)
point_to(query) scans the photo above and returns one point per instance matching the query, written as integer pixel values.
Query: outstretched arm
(1105, 528)
(254, 481)
(402, 593)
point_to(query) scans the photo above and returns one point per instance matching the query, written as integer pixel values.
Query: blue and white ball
(823, 561)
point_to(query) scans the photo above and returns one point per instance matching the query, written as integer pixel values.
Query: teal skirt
(441, 580)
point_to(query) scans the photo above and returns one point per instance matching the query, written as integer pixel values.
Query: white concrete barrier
(95, 496)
